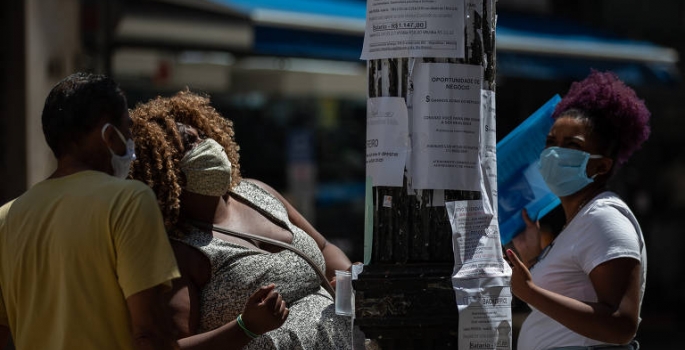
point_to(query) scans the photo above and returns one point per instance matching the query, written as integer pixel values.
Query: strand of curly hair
(160, 148)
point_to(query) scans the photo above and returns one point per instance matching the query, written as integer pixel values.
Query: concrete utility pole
(404, 297)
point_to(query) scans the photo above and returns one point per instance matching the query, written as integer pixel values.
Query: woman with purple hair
(585, 289)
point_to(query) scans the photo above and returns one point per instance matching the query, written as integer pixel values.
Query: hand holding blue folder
(519, 183)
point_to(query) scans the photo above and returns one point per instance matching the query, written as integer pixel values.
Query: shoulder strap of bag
(322, 276)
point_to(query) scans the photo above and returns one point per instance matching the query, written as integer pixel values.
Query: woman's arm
(4, 336)
(335, 258)
(612, 319)
(150, 328)
(264, 310)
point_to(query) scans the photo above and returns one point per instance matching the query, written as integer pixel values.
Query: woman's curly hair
(617, 116)
(160, 144)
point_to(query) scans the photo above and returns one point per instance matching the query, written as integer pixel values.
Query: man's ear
(111, 138)
(106, 134)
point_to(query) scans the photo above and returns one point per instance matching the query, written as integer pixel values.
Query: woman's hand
(265, 310)
(527, 243)
(521, 279)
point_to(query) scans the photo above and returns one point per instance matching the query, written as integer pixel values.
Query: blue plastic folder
(519, 183)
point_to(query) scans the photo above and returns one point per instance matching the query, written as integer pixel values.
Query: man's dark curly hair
(160, 144)
(618, 118)
(76, 105)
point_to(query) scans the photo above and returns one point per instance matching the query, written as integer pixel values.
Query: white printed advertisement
(387, 140)
(446, 126)
(488, 147)
(414, 28)
(481, 277)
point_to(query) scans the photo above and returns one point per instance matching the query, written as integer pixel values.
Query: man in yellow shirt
(84, 257)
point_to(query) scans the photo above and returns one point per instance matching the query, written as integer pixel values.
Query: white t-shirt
(603, 230)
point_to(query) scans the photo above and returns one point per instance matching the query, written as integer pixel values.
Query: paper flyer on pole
(414, 28)
(387, 140)
(446, 126)
(410, 112)
(368, 221)
(485, 318)
(477, 250)
(481, 277)
(488, 146)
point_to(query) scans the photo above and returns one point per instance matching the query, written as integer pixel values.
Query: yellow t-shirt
(72, 249)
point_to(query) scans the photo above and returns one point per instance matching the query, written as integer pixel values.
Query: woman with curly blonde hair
(160, 144)
(187, 154)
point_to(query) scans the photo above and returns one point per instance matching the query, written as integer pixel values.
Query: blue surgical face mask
(121, 164)
(565, 170)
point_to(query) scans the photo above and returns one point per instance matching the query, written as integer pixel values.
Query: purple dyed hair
(603, 98)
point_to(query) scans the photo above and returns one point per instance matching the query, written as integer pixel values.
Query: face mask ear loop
(130, 146)
(102, 132)
(594, 156)
(121, 136)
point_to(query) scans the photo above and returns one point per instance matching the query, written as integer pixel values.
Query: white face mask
(207, 169)
(121, 164)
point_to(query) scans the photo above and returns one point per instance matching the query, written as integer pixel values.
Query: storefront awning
(534, 47)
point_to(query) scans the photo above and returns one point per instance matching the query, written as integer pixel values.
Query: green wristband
(242, 326)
